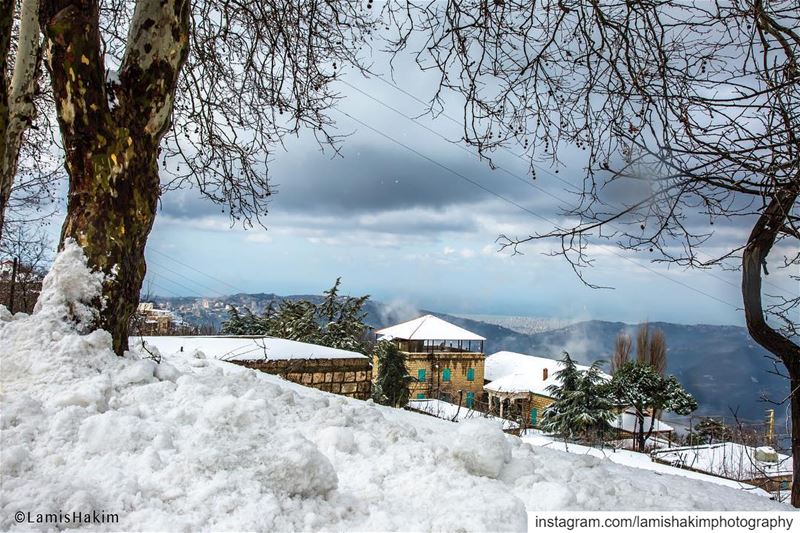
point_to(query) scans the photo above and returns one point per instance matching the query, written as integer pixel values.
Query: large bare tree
(687, 116)
(27, 145)
(153, 95)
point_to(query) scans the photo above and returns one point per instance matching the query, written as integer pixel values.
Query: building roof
(726, 459)
(626, 421)
(244, 348)
(513, 372)
(428, 327)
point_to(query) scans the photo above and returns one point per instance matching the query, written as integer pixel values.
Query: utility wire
(202, 286)
(196, 270)
(523, 208)
(506, 149)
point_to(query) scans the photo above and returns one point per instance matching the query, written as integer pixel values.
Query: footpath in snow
(194, 443)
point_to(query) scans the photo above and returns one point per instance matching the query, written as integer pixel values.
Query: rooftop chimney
(544, 375)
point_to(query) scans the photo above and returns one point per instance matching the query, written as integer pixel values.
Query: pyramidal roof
(429, 327)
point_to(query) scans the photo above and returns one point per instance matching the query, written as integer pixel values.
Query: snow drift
(193, 443)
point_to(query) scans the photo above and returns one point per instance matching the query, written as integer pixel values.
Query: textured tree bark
(759, 244)
(18, 110)
(6, 20)
(112, 151)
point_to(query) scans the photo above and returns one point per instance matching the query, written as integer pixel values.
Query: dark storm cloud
(370, 180)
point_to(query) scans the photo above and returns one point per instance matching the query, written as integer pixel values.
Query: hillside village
(450, 377)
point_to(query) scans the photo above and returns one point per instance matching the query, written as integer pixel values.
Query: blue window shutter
(470, 399)
(420, 396)
(421, 374)
(534, 416)
(446, 374)
(470, 374)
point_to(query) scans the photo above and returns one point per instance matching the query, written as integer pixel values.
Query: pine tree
(638, 385)
(708, 431)
(337, 321)
(392, 383)
(582, 403)
(242, 324)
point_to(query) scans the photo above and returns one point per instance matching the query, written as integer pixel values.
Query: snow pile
(195, 443)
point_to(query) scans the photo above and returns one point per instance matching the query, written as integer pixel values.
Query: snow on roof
(627, 422)
(453, 412)
(513, 372)
(230, 348)
(725, 459)
(429, 327)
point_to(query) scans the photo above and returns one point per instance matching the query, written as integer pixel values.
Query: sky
(410, 216)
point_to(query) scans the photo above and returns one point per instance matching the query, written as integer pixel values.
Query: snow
(635, 460)
(729, 459)
(214, 446)
(518, 373)
(428, 327)
(626, 421)
(454, 413)
(230, 348)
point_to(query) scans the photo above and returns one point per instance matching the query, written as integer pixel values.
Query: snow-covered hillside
(194, 443)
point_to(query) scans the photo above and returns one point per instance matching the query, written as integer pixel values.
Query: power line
(523, 208)
(515, 176)
(196, 270)
(204, 287)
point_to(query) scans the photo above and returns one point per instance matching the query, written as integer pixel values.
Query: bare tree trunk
(6, 22)
(642, 342)
(112, 153)
(18, 106)
(769, 225)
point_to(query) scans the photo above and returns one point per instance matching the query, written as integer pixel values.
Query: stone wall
(348, 377)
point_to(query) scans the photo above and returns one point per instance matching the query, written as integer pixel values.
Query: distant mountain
(721, 365)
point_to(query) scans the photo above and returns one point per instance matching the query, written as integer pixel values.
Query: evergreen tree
(708, 431)
(337, 321)
(582, 403)
(638, 385)
(242, 324)
(392, 383)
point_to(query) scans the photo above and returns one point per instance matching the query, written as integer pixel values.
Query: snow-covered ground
(194, 443)
(634, 460)
(455, 413)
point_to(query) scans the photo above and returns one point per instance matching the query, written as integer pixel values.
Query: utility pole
(770, 426)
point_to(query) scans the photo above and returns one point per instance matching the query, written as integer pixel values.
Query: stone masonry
(348, 377)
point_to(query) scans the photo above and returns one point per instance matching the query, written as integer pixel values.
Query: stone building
(328, 369)
(518, 388)
(446, 360)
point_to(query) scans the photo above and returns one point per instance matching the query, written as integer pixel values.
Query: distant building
(762, 467)
(328, 369)
(150, 320)
(20, 286)
(446, 360)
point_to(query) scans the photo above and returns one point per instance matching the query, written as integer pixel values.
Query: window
(421, 374)
(470, 374)
(784, 484)
(420, 396)
(446, 374)
(470, 399)
(534, 416)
